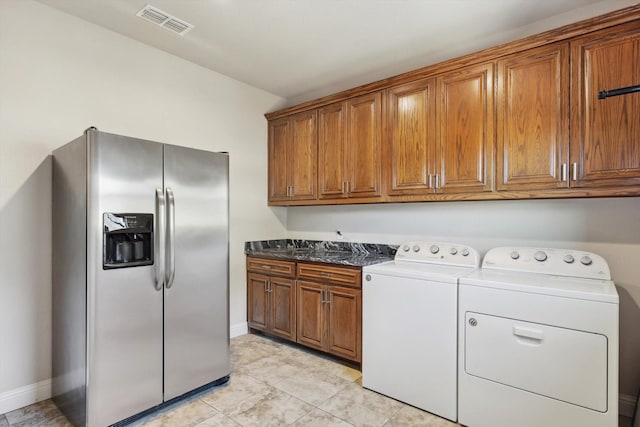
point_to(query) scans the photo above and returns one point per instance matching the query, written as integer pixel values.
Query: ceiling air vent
(165, 20)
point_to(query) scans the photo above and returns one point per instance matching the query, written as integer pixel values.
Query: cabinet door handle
(266, 286)
(270, 288)
(564, 172)
(328, 301)
(575, 171)
(437, 181)
(430, 181)
(348, 187)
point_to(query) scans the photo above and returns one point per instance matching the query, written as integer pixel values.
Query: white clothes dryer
(538, 340)
(409, 324)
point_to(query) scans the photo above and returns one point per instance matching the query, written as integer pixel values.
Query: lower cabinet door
(311, 318)
(258, 301)
(283, 307)
(344, 322)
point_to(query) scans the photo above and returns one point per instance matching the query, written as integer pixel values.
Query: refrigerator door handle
(171, 232)
(159, 239)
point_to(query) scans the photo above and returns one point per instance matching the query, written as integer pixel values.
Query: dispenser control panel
(128, 240)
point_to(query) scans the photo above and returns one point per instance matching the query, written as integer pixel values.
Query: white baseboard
(238, 329)
(24, 396)
(626, 405)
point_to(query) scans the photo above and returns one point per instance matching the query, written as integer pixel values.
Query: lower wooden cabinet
(330, 319)
(322, 309)
(344, 329)
(311, 314)
(271, 301)
(330, 316)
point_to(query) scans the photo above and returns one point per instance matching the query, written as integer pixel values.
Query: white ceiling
(303, 49)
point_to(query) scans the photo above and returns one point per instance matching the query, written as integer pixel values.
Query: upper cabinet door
(332, 151)
(606, 133)
(465, 138)
(303, 156)
(364, 143)
(279, 141)
(533, 119)
(410, 124)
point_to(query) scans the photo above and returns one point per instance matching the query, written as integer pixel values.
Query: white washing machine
(538, 341)
(409, 324)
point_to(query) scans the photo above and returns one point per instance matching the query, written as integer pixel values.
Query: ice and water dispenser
(128, 240)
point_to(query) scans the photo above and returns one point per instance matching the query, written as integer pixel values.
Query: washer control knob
(434, 249)
(406, 248)
(367, 277)
(540, 256)
(586, 260)
(568, 258)
(515, 255)
(416, 248)
(465, 252)
(473, 322)
(453, 251)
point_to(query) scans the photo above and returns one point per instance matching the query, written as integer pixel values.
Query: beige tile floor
(272, 384)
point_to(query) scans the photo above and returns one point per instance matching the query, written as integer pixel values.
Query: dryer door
(559, 363)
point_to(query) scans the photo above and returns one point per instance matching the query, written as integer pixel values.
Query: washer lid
(423, 271)
(545, 284)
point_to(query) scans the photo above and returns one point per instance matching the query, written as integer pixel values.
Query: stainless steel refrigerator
(140, 275)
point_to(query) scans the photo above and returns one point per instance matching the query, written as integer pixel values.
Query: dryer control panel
(438, 253)
(559, 262)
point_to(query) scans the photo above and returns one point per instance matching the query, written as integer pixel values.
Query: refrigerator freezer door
(196, 320)
(124, 308)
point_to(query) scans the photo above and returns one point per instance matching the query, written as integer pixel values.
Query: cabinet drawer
(350, 276)
(271, 266)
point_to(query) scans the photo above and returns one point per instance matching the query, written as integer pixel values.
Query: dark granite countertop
(342, 253)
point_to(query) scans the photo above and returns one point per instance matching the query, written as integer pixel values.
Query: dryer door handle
(528, 333)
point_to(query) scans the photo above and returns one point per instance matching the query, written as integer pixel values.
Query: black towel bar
(616, 92)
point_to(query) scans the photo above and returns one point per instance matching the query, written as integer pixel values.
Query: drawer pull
(268, 267)
(529, 334)
(325, 274)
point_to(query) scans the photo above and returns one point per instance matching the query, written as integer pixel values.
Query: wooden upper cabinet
(364, 145)
(465, 137)
(279, 141)
(533, 119)
(303, 156)
(605, 134)
(520, 120)
(293, 157)
(349, 142)
(332, 151)
(410, 124)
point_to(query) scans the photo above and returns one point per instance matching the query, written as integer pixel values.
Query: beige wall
(609, 227)
(60, 75)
